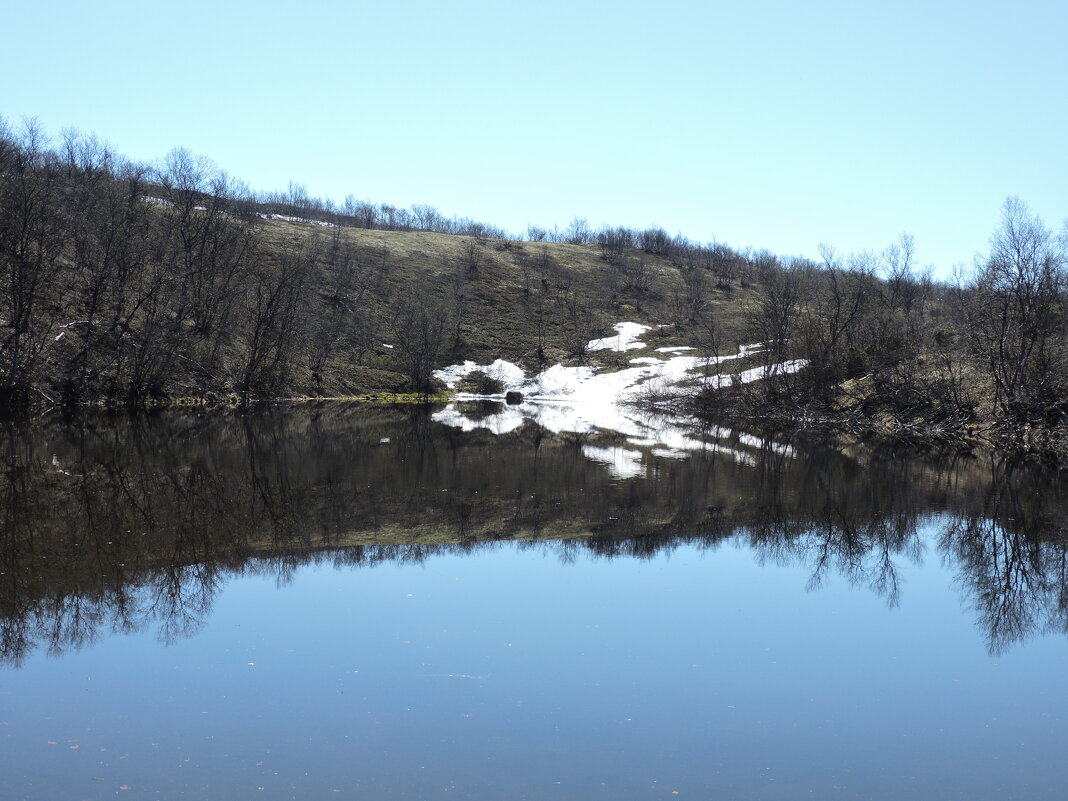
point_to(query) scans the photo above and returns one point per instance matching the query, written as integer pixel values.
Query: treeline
(130, 283)
(613, 242)
(986, 353)
(117, 277)
(296, 204)
(127, 282)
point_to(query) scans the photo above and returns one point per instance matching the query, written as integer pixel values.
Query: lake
(381, 603)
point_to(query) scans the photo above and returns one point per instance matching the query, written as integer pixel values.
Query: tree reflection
(1012, 558)
(124, 525)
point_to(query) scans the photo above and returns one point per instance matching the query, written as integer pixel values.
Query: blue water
(514, 673)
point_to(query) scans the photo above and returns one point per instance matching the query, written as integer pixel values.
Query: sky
(778, 125)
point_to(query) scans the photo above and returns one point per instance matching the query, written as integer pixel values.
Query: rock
(513, 398)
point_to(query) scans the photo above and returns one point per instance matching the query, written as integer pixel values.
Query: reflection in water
(126, 524)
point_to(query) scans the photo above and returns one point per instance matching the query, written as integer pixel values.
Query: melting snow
(583, 400)
(626, 338)
(510, 375)
(302, 220)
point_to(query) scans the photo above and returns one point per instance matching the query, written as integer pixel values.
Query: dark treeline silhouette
(124, 282)
(132, 283)
(128, 523)
(985, 356)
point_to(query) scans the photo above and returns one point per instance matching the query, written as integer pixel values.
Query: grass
(534, 304)
(496, 312)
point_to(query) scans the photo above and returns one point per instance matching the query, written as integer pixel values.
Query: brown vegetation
(128, 284)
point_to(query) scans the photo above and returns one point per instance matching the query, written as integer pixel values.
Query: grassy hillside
(125, 284)
(530, 303)
(136, 285)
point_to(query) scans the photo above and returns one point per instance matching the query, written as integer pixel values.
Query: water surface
(343, 603)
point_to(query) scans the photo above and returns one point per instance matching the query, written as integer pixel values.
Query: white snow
(583, 400)
(510, 375)
(301, 220)
(626, 338)
(759, 373)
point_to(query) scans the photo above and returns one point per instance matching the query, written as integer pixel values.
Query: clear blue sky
(771, 124)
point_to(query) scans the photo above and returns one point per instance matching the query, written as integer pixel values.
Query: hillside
(124, 284)
(452, 298)
(344, 311)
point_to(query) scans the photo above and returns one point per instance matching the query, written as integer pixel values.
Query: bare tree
(834, 301)
(614, 243)
(32, 236)
(273, 304)
(578, 232)
(471, 256)
(773, 319)
(343, 324)
(420, 325)
(1015, 314)
(637, 274)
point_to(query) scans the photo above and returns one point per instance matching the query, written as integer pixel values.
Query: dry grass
(497, 310)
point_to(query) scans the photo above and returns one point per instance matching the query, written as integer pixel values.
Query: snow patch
(584, 400)
(301, 220)
(626, 338)
(511, 376)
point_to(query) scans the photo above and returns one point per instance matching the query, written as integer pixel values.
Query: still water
(352, 603)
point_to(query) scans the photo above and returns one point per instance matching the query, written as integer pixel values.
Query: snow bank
(511, 376)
